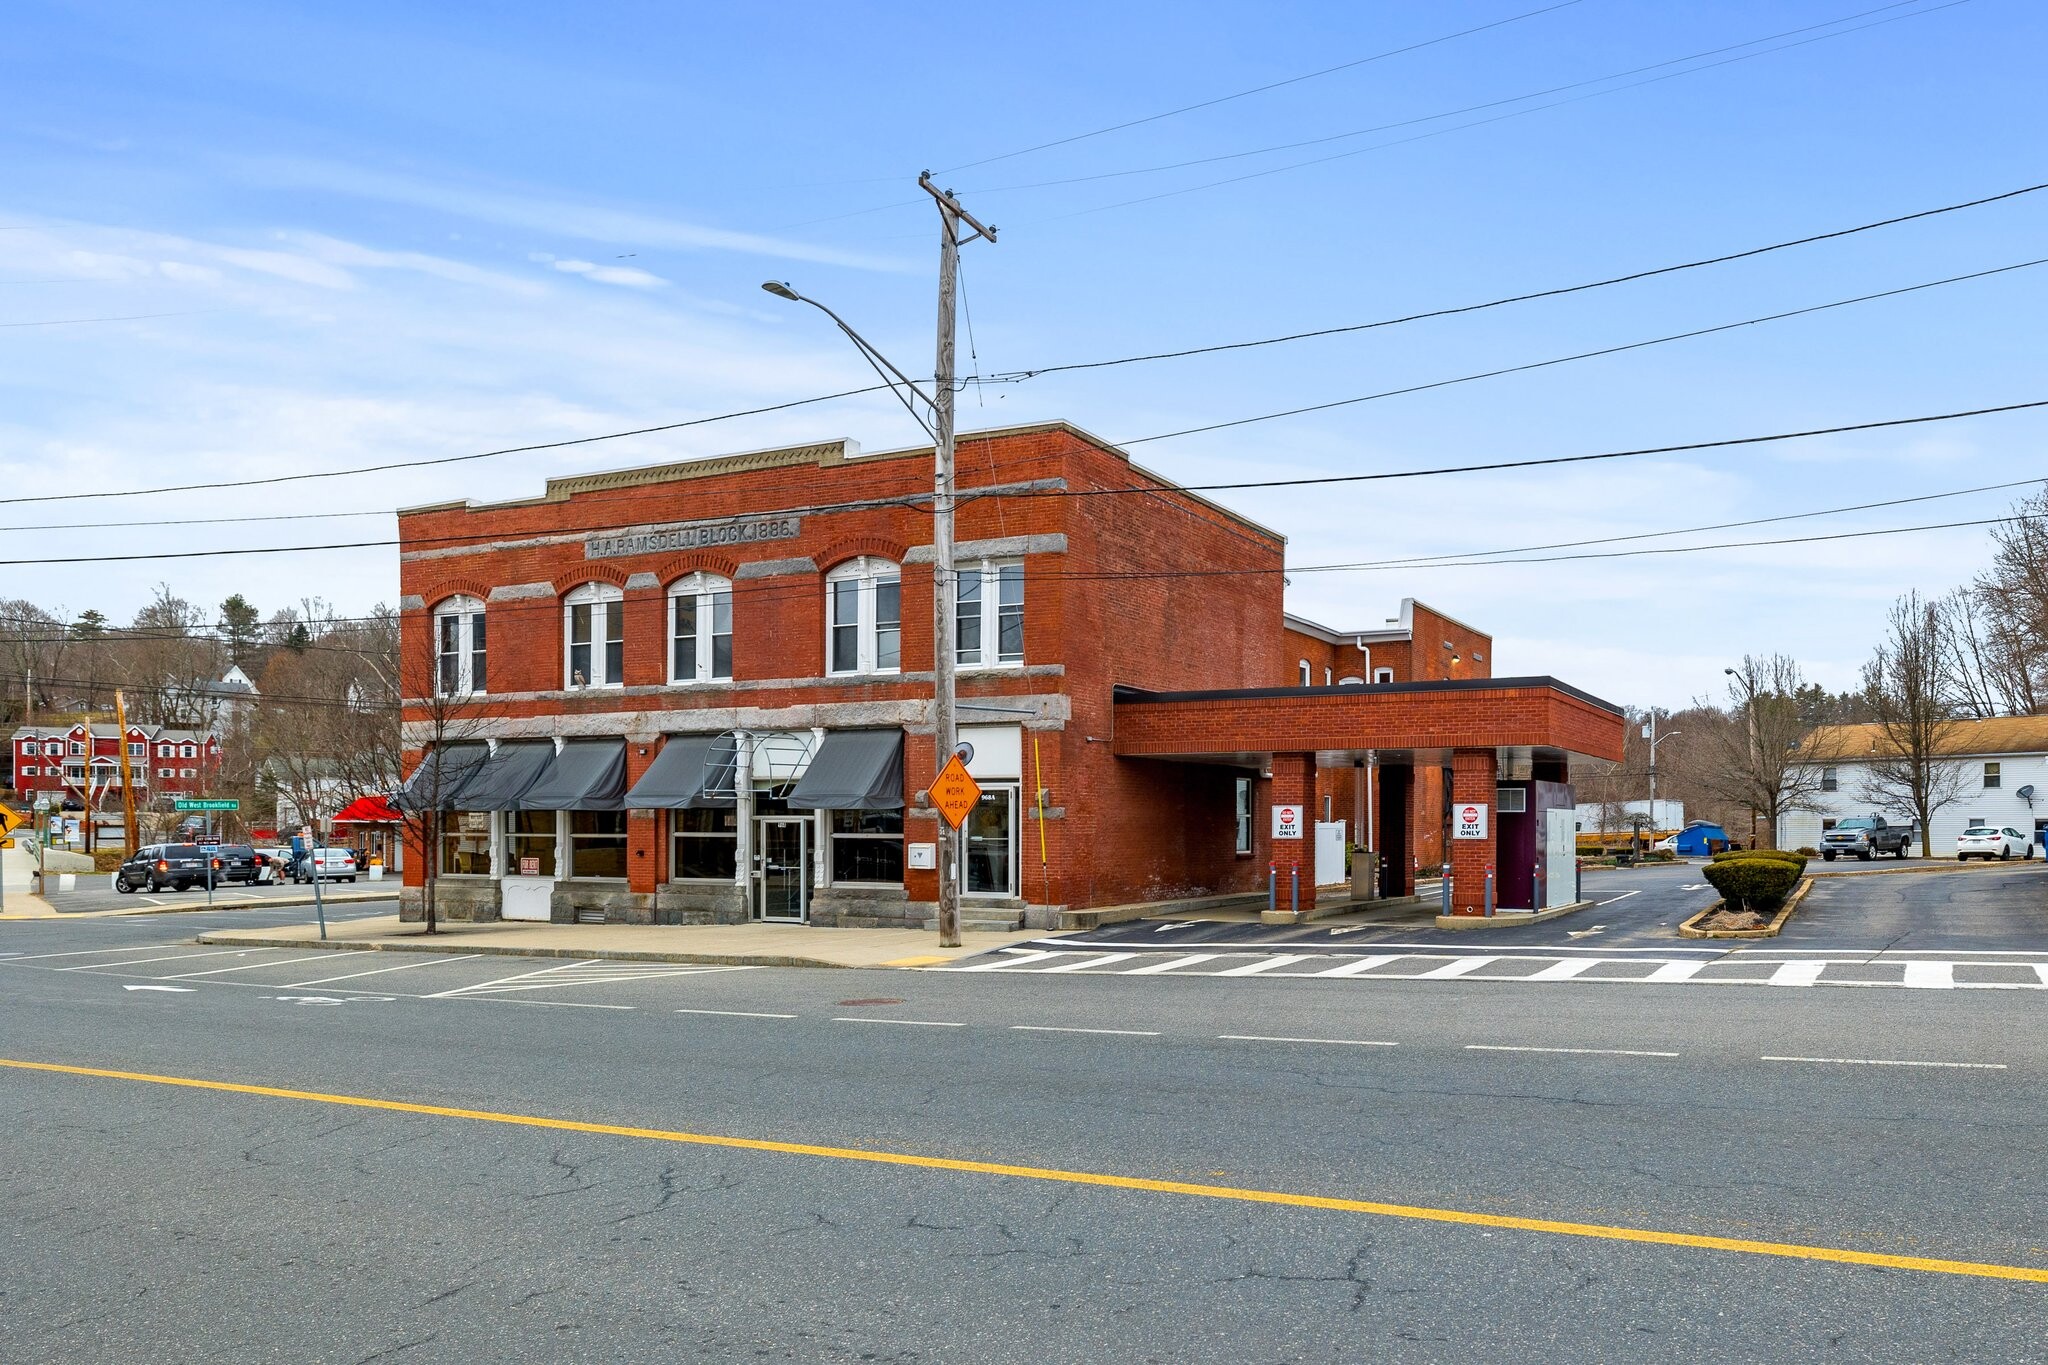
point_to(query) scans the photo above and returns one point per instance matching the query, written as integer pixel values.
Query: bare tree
(168, 658)
(1908, 682)
(440, 720)
(2010, 602)
(1766, 762)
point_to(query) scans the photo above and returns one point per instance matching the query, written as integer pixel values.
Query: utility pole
(127, 775)
(945, 732)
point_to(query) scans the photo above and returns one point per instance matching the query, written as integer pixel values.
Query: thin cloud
(612, 274)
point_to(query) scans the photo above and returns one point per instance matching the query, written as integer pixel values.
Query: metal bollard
(1272, 887)
(1489, 890)
(1447, 888)
(1539, 882)
(1294, 893)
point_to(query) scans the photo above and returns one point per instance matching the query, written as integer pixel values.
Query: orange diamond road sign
(10, 821)
(955, 793)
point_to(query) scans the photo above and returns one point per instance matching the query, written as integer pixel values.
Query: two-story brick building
(67, 763)
(701, 692)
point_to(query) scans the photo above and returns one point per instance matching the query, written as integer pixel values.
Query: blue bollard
(1447, 888)
(1294, 893)
(1272, 888)
(1489, 891)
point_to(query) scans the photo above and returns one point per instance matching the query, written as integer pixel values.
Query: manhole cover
(870, 1002)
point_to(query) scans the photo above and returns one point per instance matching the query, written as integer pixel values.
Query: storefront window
(530, 843)
(867, 846)
(466, 844)
(597, 843)
(706, 845)
(991, 839)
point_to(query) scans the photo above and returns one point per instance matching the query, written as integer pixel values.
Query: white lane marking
(186, 990)
(1156, 968)
(1267, 964)
(153, 900)
(1459, 967)
(1591, 1051)
(429, 960)
(167, 957)
(1169, 928)
(544, 1004)
(483, 986)
(251, 966)
(1797, 973)
(1102, 961)
(1565, 970)
(1058, 1028)
(1689, 886)
(1862, 955)
(1622, 897)
(1676, 971)
(1446, 950)
(1268, 1038)
(1018, 960)
(739, 1014)
(1585, 933)
(2041, 970)
(1930, 975)
(1358, 965)
(1887, 1061)
(89, 952)
(916, 1023)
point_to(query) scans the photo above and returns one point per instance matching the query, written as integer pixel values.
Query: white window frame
(29, 771)
(702, 590)
(188, 772)
(54, 748)
(869, 574)
(1830, 779)
(189, 751)
(1994, 776)
(74, 776)
(470, 648)
(987, 576)
(77, 748)
(1244, 815)
(1383, 675)
(1306, 673)
(607, 603)
(166, 750)
(138, 749)
(166, 772)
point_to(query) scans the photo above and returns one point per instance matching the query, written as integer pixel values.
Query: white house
(1999, 767)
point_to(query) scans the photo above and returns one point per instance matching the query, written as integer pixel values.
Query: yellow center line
(1419, 1213)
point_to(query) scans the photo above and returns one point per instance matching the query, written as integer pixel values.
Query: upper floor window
(189, 751)
(138, 750)
(77, 746)
(459, 647)
(54, 748)
(989, 614)
(1383, 675)
(864, 617)
(700, 629)
(594, 620)
(1829, 781)
(1306, 673)
(165, 750)
(1329, 675)
(1990, 775)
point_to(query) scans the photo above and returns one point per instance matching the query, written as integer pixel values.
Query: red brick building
(63, 761)
(701, 691)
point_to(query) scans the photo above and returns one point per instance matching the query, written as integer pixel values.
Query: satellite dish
(2026, 794)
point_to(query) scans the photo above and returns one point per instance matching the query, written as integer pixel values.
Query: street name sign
(955, 793)
(205, 803)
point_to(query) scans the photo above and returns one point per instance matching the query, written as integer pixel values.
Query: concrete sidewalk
(753, 945)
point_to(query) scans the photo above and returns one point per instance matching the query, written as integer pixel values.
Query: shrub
(108, 859)
(1806, 852)
(1660, 855)
(1781, 855)
(1759, 884)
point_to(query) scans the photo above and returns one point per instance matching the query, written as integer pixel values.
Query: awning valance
(367, 810)
(588, 774)
(441, 776)
(853, 770)
(510, 772)
(692, 772)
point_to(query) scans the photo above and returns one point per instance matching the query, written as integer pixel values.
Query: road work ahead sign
(1468, 820)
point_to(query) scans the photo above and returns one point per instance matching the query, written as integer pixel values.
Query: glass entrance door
(990, 854)
(783, 868)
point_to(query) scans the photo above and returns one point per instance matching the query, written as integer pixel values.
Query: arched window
(864, 617)
(1305, 673)
(594, 630)
(700, 629)
(1329, 675)
(459, 647)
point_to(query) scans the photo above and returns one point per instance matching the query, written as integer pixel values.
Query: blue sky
(387, 232)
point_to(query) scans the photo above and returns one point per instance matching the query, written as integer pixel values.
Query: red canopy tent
(368, 810)
(376, 826)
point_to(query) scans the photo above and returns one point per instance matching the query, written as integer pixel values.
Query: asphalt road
(146, 1220)
(95, 891)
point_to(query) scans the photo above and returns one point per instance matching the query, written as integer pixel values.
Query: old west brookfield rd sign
(735, 531)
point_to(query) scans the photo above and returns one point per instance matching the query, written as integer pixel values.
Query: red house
(66, 763)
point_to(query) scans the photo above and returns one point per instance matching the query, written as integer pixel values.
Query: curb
(201, 907)
(1510, 918)
(493, 950)
(1926, 865)
(1688, 929)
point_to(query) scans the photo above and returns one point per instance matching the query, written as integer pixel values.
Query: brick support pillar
(646, 859)
(1294, 784)
(1473, 774)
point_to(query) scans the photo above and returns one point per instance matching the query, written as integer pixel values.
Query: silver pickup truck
(1865, 837)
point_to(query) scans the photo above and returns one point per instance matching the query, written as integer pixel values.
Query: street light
(943, 578)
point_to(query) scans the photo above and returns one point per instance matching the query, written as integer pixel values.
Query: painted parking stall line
(1890, 1061)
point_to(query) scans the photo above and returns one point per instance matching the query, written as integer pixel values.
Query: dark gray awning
(853, 770)
(441, 776)
(692, 772)
(507, 775)
(589, 774)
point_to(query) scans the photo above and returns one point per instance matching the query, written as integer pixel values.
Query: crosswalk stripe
(1157, 968)
(1014, 960)
(1267, 964)
(1797, 973)
(1358, 965)
(1102, 961)
(1564, 971)
(1930, 975)
(1675, 971)
(1463, 966)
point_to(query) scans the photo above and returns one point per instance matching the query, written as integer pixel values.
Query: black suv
(238, 863)
(177, 866)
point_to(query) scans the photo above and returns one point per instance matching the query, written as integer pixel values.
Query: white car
(1992, 841)
(329, 864)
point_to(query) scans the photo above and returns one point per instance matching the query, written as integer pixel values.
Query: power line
(131, 317)
(1411, 122)
(1497, 118)
(1557, 292)
(1585, 355)
(1259, 89)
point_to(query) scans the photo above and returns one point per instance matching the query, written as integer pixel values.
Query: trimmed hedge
(1759, 884)
(1805, 852)
(1782, 855)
